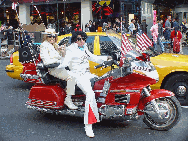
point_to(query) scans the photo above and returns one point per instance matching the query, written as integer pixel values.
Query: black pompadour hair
(75, 34)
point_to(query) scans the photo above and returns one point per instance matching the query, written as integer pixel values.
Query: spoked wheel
(169, 114)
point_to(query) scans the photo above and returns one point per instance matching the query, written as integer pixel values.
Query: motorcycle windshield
(116, 39)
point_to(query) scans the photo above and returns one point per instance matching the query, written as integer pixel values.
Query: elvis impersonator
(74, 68)
(77, 61)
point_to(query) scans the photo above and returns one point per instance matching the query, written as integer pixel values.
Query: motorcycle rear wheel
(171, 113)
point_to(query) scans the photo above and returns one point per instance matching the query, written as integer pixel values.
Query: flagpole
(121, 31)
(121, 25)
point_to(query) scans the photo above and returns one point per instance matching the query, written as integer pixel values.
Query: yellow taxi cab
(172, 68)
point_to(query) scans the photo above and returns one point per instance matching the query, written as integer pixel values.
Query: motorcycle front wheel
(168, 116)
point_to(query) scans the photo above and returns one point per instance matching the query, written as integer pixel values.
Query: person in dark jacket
(168, 28)
(183, 27)
(143, 26)
(175, 23)
(93, 27)
(68, 28)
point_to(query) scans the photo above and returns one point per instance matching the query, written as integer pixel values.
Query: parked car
(172, 68)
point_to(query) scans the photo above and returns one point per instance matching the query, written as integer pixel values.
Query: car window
(90, 43)
(107, 46)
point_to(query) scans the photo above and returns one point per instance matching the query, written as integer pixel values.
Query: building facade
(76, 11)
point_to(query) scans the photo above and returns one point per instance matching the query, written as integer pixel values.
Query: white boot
(69, 103)
(89, 130)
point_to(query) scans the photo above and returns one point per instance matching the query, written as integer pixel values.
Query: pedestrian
(105, 27)
(175, 23)
(114, 27)
(109, 26)
(51, 53)
(118, 29)
(184, 31)
(93, 27)
(87, 28)
(118, 22)
(90, 24)
(137, 26)
(183, 27)
(77, 60)
(143, 26)
(176, 37)
(154, 33)
(132, 27)
(160, 34)
(167, 28)
(68, 28)
(1, 34)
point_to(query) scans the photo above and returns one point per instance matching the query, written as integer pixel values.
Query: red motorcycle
(122, 93)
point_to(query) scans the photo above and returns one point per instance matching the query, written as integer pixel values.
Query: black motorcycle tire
(174, 115)
(173, 83)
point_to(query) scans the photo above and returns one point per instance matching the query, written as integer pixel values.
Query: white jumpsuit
(77, 60)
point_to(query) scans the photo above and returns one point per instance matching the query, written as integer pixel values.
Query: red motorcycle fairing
(154, 94)
(127, 88)
(47, 96)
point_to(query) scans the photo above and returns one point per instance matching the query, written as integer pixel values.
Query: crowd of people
(92, 26)
(170, 29)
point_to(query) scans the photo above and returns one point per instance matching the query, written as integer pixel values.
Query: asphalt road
(17, 123)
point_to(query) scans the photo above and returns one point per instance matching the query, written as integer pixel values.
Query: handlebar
(107, 63)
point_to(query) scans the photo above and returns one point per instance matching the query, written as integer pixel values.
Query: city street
(17, 123)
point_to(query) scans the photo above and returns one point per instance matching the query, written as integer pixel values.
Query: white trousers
(63, 74)
(91, 114)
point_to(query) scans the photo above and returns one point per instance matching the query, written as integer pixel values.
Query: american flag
(14, 5)
(125, 45)
(143, 42)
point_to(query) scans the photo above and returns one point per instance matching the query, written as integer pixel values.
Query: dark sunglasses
(81, 38)
(50, 36)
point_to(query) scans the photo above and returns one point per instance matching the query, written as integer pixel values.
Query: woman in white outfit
(51, 53)
(77, 59)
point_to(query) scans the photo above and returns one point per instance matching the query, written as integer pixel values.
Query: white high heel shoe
(89, 130)
(69, 103)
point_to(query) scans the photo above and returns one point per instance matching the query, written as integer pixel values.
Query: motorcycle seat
(50, 79)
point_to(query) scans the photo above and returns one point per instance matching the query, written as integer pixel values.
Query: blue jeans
(167, 34)
(160, 43)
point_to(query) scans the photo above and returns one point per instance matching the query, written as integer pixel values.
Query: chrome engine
(112, 111)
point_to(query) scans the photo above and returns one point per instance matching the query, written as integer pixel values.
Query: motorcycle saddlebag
(47, 96)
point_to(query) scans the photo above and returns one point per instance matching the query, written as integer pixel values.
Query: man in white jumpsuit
(76, 59)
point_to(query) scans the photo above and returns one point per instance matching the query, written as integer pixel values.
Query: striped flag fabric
(143, 41)
(125, 45)
(14, 5)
